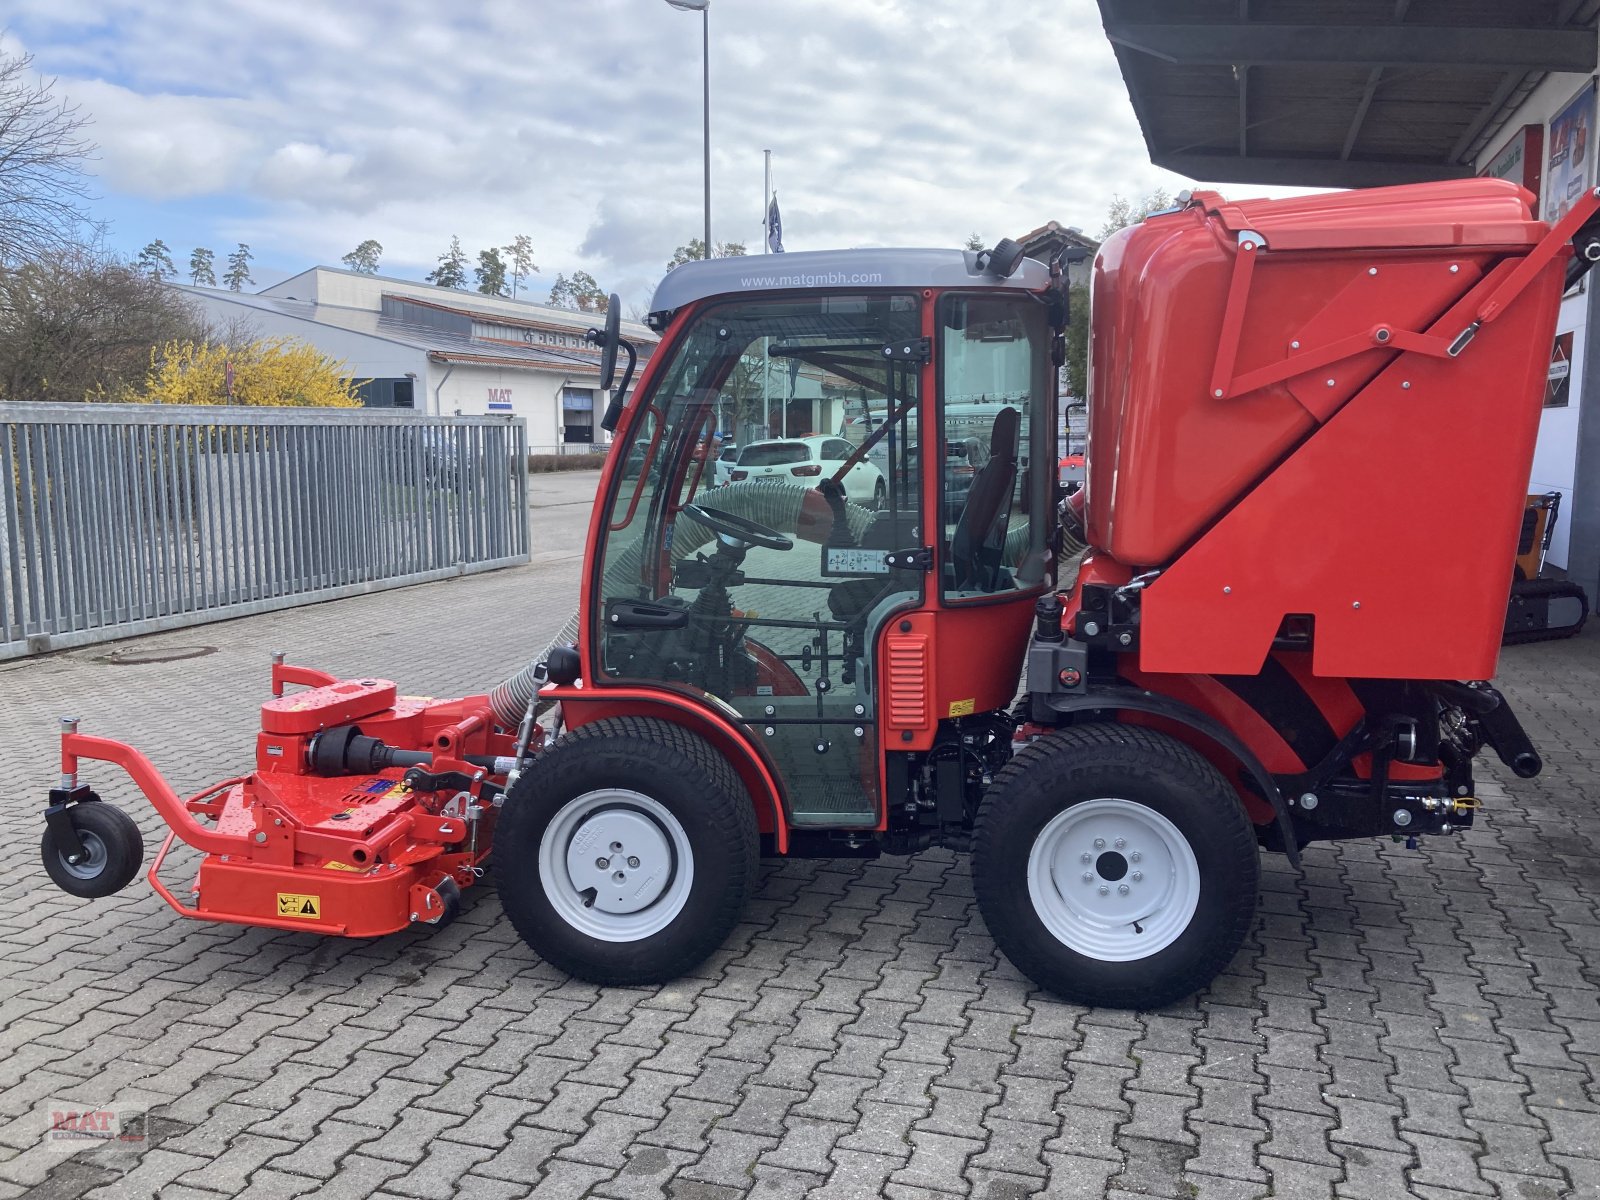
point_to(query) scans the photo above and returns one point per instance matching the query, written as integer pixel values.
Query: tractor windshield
(763, 586)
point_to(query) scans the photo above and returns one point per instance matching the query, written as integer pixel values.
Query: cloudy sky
(303, 127)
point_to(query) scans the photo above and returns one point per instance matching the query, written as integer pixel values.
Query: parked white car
(722, 469)
(811, 460)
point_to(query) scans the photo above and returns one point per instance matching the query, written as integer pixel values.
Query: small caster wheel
(450, 892)
(113, 851)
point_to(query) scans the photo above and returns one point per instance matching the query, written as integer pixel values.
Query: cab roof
(834, 269)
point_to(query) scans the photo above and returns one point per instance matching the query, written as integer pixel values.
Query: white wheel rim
(616, 865)
(1113, 880)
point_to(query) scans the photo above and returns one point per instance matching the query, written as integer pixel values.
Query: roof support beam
(1244, 110)
(1360, 118)
(1225, 43)
(1496, 101)
(1305, 172)
(1373, 79)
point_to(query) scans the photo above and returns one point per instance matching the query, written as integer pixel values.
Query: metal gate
(126, 519)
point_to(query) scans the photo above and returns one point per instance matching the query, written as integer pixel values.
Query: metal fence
(127, 519)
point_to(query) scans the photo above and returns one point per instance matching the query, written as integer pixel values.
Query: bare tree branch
(42, 150)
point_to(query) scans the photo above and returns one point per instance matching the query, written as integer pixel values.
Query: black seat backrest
(979, 539)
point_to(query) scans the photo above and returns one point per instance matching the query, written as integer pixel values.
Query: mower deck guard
(360, 855)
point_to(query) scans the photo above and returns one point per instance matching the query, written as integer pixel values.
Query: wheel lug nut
(1104, 890)
(1086, 859)
(602, 862)
(1122, 889)
(1099, 843)
(1135, 856)
(1137, 876)
(1088, 876)
(1120, 843)
(633, 862)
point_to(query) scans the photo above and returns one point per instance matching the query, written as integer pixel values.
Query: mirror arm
(618, 397)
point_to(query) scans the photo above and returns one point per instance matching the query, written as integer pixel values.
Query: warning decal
(963, 708)
(292, 904)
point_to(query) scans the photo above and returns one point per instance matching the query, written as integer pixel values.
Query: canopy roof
(1337, 93)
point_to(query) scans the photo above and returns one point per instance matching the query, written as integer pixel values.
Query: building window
(386, 393)
(577, 414)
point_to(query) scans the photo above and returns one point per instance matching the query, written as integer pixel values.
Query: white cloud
(578, 121)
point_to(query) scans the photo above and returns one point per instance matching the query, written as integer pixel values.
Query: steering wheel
(740, 528)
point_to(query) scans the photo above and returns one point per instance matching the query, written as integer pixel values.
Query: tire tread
(1149, 754)
(736, 827)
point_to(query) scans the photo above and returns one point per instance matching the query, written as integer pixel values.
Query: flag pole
(766, 204)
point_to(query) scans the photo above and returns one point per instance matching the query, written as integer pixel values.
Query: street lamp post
(703, 7)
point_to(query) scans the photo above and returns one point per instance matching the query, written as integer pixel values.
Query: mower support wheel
(113, 851)
(450, 892)
(626, 851)
(1115, 866)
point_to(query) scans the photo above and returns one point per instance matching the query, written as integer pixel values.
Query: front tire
(1115, 866)
(113, 850)
(627, 851)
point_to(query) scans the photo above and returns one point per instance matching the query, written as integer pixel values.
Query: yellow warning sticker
(963, 708)
(339, 866)
(293, 904)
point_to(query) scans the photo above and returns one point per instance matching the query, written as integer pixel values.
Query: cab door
(764, 598)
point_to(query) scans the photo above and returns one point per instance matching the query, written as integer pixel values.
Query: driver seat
(978, 543)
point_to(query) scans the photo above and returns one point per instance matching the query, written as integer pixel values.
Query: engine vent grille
(908, 683)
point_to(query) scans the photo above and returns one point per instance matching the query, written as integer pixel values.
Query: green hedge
(565, 462)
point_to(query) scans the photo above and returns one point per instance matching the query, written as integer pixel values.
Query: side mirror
(607, 340)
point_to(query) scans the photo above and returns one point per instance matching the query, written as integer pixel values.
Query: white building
(439, 350)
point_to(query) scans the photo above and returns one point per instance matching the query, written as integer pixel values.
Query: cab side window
(995, 374)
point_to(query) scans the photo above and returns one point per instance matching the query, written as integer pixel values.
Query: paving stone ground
(1401, 1023)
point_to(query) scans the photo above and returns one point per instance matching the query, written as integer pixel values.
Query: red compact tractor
(1250, 653)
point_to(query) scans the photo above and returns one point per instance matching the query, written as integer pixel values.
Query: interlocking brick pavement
(1402, 1023)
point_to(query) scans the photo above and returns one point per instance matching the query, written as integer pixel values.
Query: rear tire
(627, 851)
(1168, 891)
(115, 851)
(880, 496)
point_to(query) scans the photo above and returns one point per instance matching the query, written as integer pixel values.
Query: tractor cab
(797, 603)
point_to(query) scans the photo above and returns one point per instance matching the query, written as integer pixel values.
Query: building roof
(873, 268)
(1337, 93)
(441, 344)
(1052, 237)
(308, 286)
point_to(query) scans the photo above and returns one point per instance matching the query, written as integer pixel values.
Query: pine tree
(452, 269)
(364, 258)
(238, 272)
(156, 260)
(519, 256)
(201, 262)
(696, 250)
(579, 291)
(490, 272)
